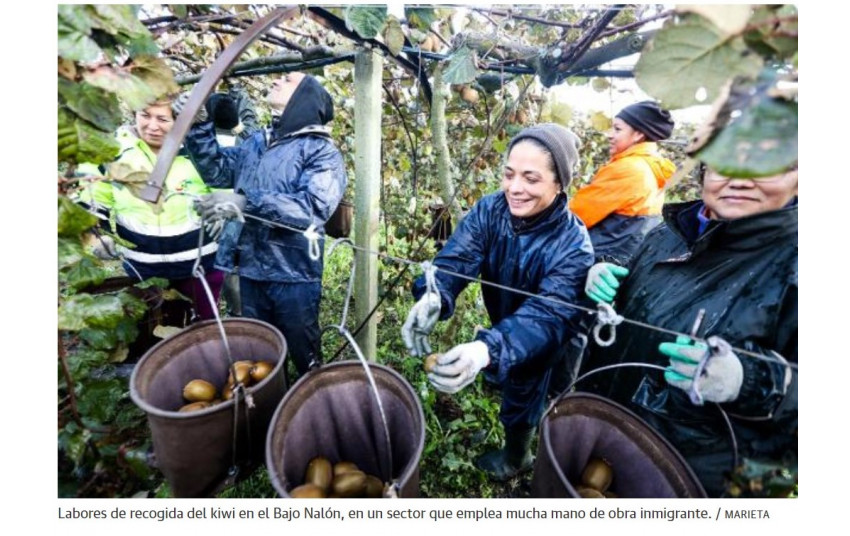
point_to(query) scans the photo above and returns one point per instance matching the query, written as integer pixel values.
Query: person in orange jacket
(623, 200)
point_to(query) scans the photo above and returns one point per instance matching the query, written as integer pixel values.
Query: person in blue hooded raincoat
(523, 237)
(291, 174)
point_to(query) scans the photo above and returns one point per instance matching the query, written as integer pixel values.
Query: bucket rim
(150, 409)
(420, 446)
(547, 443)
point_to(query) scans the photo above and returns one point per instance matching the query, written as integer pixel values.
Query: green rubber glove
(603, 281)
(720, 378)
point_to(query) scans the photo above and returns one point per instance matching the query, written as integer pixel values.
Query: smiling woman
(730, 198)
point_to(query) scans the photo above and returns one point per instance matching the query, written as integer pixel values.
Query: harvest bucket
(581, 426)
(195, 450)
(332, 412)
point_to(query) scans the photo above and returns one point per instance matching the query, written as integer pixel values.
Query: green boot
(514, 458)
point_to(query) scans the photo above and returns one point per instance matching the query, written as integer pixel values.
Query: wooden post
(367, 193)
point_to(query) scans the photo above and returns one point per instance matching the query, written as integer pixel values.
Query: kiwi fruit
(597, 474)
(261, 370)
(349, 484)
(431, 362)
(374, 487)
(344, 467)
(199, 391)
(243, 372)
(308, 491)
(319, 472)
(195, 406)
(469, 95)
(589, 493)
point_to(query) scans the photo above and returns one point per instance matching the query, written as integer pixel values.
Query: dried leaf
(163, 332)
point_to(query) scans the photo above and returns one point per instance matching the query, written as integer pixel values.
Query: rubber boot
(512, 459)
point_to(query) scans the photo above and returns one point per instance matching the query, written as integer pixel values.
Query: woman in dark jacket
(292, 175)
(723, 269)
(525, 238)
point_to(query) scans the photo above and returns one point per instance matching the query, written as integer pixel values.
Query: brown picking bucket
(332, 412)
(195, 450)
(580, 426)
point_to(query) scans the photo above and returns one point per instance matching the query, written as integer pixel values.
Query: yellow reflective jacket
(165, 234)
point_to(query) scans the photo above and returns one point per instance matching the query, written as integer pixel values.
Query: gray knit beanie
(561, 142)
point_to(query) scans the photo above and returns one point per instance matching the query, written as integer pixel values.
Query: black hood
(310, 104)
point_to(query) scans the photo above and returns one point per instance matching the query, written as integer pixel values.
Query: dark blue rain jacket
(291, 175)
(743, 273)
(548, 258)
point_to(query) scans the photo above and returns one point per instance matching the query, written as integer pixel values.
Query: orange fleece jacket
(630, 184)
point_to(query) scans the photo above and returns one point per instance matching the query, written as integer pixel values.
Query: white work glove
(602, 281)
(720, 378)
(419, 324)
(179, 103)
(458, 367)
(104, 248)
(221, 206)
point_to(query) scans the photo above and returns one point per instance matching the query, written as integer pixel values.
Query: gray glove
(718, 379)
(221, 206)
(419, 324)
(104, 248)
(603, 281)
(179, 103)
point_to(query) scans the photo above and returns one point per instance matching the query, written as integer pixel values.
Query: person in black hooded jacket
(291, 174)
(723, 269)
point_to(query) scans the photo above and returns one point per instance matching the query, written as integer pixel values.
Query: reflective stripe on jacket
(165, 235)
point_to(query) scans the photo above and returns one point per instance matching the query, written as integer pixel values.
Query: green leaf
(393, 36)
(92, 104)
(774, 32)
(159, 282)
(99, 400)
(78, 141)
(72, 312)
(462, 68)
(73, 219)
(134, 308)
(127, 330)
(77, 46)
(86, 273)
(75, 17)
(759, 142)
(119, 19)
(129, 88)
(104, 311)
(420, 17)
(156, 74)
(365, 21)
(81, 361)
(697, 56)
(70, 251)
(99, 339)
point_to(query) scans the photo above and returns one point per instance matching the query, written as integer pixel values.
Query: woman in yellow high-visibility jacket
(623, 200)
(165, 235)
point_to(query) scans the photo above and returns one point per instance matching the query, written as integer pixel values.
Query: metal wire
(550, 299)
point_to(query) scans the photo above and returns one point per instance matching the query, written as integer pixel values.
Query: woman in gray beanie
(525, 238)
(623, 200)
